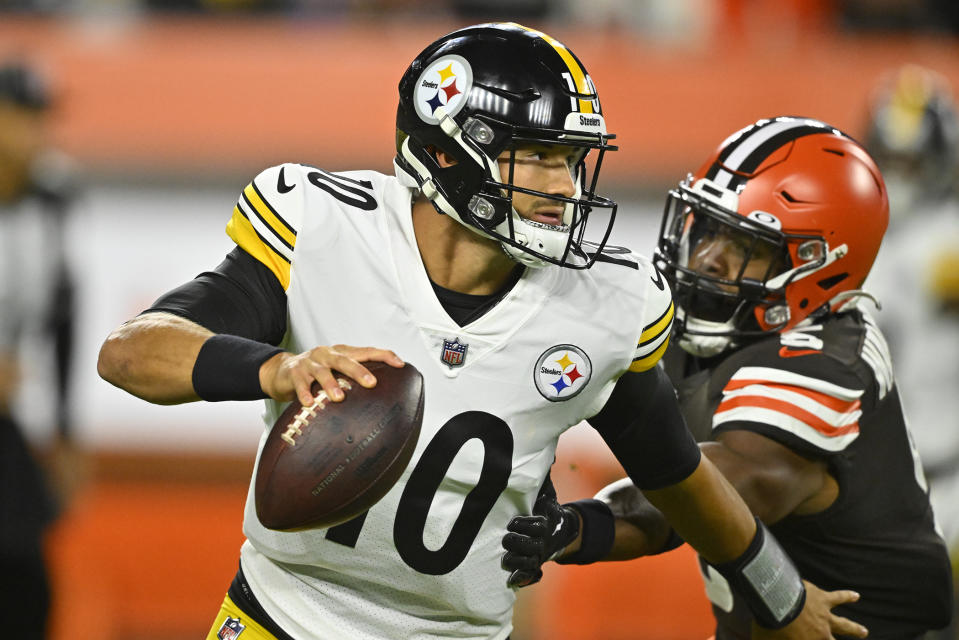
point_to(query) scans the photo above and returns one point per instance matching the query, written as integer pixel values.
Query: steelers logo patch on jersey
(562, 372)
(445, 83)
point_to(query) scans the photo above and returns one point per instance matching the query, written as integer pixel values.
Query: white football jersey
(424, 562)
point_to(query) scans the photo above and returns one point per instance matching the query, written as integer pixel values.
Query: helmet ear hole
(830, 282)
(487, 213)
(442, 158)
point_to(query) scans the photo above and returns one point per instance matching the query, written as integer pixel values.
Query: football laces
(302, 417)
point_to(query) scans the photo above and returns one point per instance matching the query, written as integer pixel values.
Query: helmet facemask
(481, 197)
(716, 310)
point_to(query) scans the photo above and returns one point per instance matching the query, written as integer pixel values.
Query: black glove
(532, 540)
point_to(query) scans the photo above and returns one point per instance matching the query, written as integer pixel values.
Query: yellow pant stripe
(250, 629)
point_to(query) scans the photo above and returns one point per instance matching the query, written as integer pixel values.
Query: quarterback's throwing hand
(286, 375)
(532, 540)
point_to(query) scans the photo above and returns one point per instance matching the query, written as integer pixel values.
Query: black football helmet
(485, 90)
(913, 133)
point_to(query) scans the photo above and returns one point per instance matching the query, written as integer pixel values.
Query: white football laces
(302, 417)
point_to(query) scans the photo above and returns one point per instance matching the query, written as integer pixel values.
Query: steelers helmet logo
(445, 83)
(562, 372)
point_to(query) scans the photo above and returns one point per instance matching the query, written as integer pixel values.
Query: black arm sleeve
(240, 297)
(645, 430)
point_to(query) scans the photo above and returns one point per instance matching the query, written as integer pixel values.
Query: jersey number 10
(424, 481)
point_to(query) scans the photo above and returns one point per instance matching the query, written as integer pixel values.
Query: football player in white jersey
(788, 380)
(472, 263)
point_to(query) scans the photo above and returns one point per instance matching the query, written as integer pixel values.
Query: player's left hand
(817, 621)
(532, 540)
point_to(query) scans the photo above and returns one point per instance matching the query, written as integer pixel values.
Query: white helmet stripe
(747, 149)
(748, 145)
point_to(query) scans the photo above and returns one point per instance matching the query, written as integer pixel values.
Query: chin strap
(845, 299)
(703, 338)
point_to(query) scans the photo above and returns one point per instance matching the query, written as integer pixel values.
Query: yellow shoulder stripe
(655, 332)
(644, 364)
(651, 331)
(268, 215)
(246, 237)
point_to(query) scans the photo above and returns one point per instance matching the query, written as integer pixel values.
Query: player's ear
(442, 158)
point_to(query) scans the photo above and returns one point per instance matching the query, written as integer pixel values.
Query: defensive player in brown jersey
(781, 369)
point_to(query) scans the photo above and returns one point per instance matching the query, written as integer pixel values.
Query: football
(326, 463)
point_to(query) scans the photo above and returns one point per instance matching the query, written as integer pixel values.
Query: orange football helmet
(797, 192)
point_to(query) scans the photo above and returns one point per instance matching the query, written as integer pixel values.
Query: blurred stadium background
(170, 107)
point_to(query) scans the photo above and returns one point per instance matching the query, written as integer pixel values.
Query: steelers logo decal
(445, 83)
(562, 372)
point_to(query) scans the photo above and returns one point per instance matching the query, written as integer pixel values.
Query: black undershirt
(464, 308)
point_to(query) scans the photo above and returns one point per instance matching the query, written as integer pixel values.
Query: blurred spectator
(309, 8)
(913, 132)
(32, 6)
(35, 312)
(217, 6)
(480, 10)
(658, 20)
(900, 15)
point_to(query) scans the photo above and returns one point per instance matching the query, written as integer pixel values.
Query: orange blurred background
(192, 97)
(150, 541)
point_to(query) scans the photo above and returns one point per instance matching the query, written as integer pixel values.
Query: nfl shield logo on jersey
(454, 352)
(230, 629)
